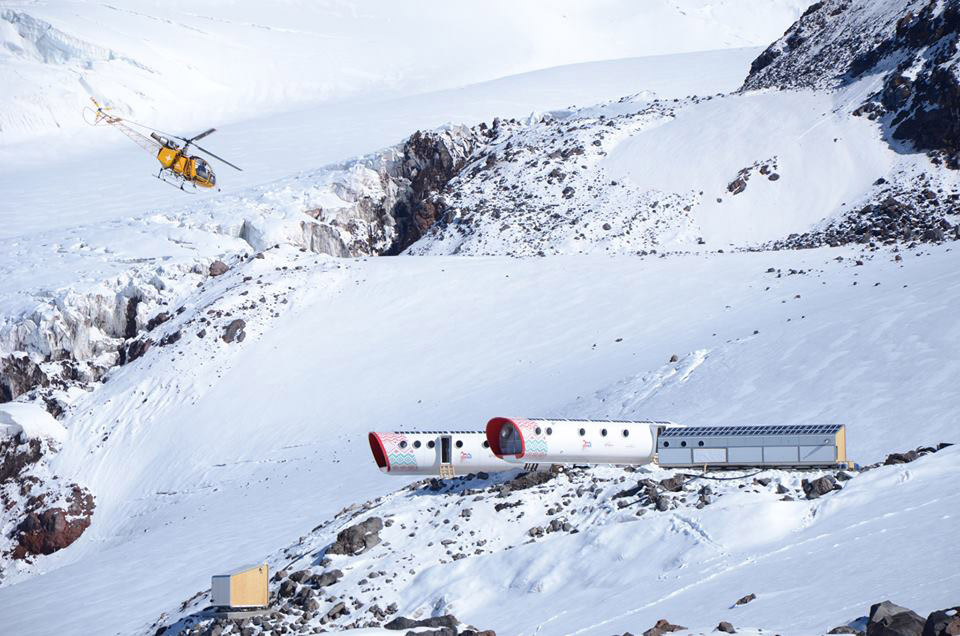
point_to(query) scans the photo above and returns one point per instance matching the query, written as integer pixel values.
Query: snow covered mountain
(775, 243)
(189, 64)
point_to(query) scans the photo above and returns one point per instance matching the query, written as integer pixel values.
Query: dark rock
(743, 600)
(299, 576)
(673, 484)
(358, 538)
(50, 530)
(663, 626)
(819, 487)
(287, 589)
(888, 619)
(158, 320)
(401, 622)
(901, 458)
(134, 349)
(337, 611)
(846, 629)
(235, 331)
(170, 338)
(326, 579)
(218, 268)
(528, 480)
(945, 622)
(724, 626)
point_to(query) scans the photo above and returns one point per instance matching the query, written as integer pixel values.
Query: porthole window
(626, 433)
(403, 444)
(700, 443)
(486, 444)
(431, 444)
(666, 444)
(549, 431)
(583, 432)
(683, 443)
(459, 443)
(603, 432)
(416, 444)
(538, 430)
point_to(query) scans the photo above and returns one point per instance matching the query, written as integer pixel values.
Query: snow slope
(189, 64)
(264, 430)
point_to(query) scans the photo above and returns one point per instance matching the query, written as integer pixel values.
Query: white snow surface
(205, 454)
(191, 64)
(30, 419)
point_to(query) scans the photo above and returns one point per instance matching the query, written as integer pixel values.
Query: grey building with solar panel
(732, 446)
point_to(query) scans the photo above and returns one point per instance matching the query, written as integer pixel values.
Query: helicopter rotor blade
(202, 135)
(204, 150)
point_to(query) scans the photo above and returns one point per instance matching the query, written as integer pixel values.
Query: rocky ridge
(355, 570)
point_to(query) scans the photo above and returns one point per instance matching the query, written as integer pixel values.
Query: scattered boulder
(945, 622)
(134, 349)
(218, 268)
(402, 622)
(358, 538)
(743, 600)
(663, 626)
(235, 331)
(819, 487)
(326, 579)
(889, 619)
(158, 320)
(724, 626)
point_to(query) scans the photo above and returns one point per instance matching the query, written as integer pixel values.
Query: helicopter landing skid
(176, 183)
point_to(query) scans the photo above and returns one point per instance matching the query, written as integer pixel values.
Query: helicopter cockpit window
(203, 170)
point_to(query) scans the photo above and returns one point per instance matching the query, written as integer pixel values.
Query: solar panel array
(717, 431)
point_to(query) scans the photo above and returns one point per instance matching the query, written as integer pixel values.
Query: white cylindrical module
(519, 440)
(443, 453)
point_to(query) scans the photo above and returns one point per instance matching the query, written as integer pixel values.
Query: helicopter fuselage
(193, 169)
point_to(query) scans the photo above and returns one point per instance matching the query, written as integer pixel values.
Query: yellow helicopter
(177, 167)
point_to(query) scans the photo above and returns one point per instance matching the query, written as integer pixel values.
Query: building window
(666, 444)
(683, 443)
(549, 431)
(603, 432)
(486, 444)
(459, 443)
(431, 444)
(626, 433)
(700, 443)
(403, 444)
(416, 444)
(583, 432)
(538, 430)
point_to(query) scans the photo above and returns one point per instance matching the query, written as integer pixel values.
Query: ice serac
(911, 48)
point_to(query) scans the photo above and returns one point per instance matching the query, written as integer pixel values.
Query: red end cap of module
(493, 435)
(379, 452)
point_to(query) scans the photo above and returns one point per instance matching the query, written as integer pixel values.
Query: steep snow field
(206, 455)
(190, 64)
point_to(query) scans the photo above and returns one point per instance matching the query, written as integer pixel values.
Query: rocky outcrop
(888, 619)
(47, 515)
(913, 44)
(429, 161)
(357, 538)
(52, 529)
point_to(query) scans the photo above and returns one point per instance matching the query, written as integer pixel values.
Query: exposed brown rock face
(52, 515)
(53, 529)
(430, 160)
